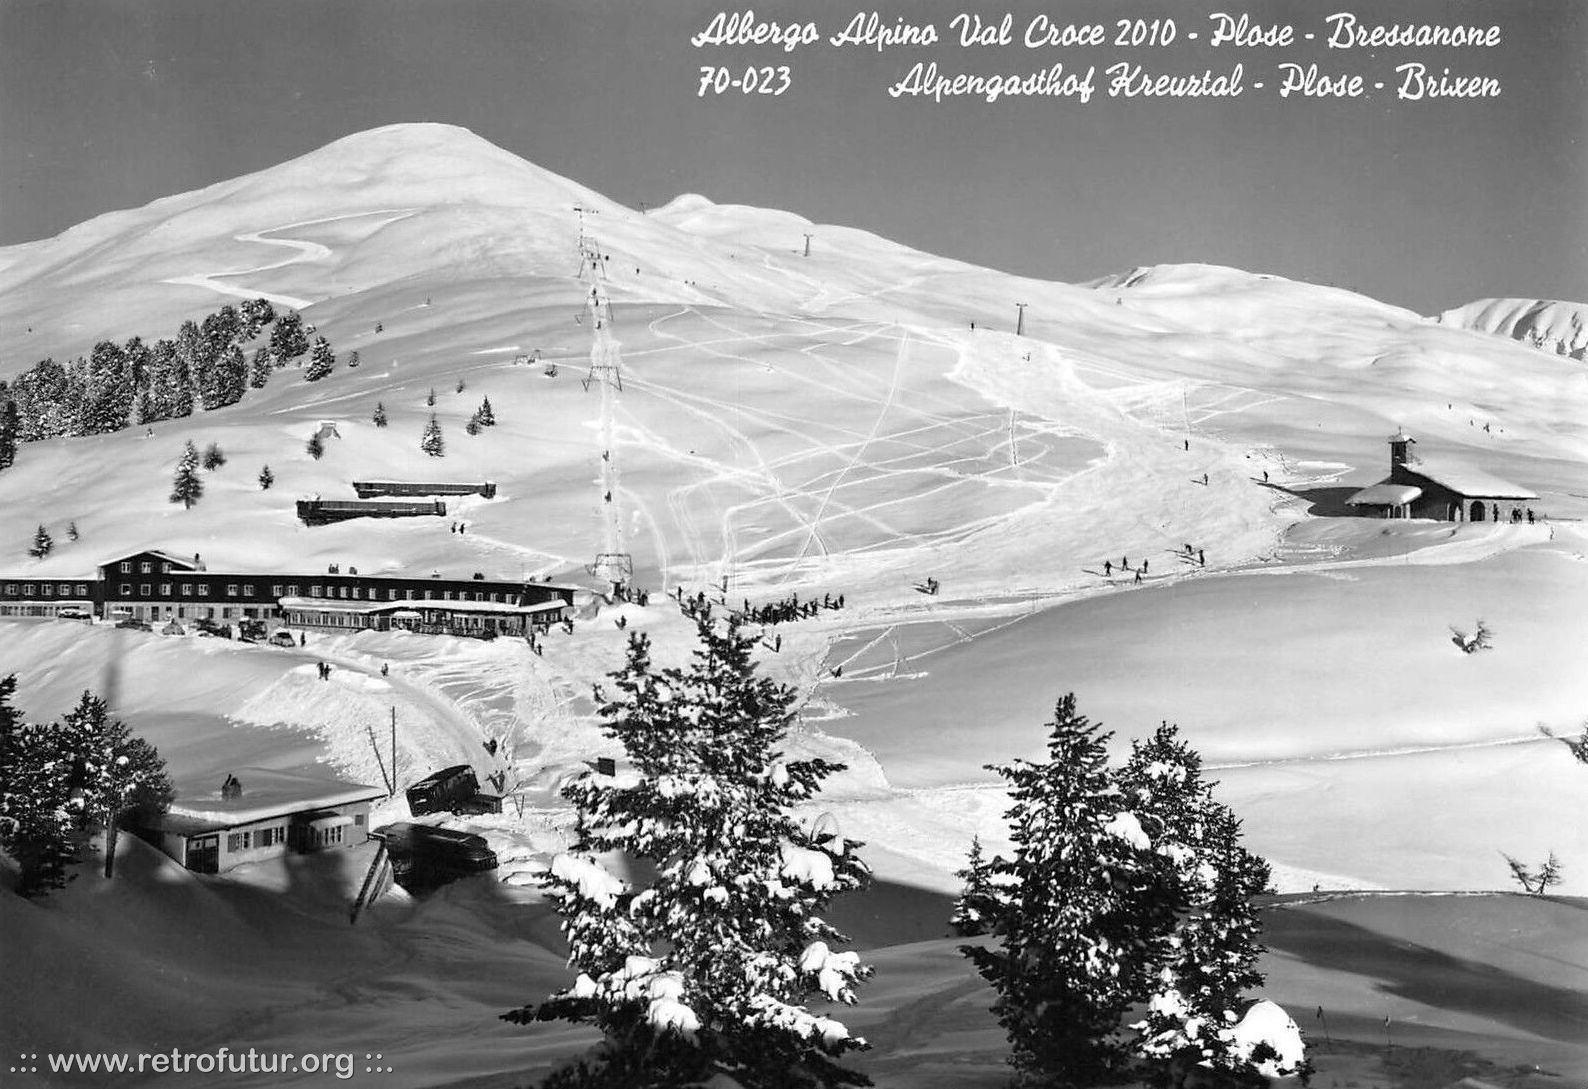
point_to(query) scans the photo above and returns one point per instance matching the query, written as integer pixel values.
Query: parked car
(424, 856)
(250, 630)
(281, 637)
(71, 613)
(205, 626)
(134, 623)
(172, 627)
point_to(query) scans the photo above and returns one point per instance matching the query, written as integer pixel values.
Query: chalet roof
(184, 562)
(1385, 495)
(266, 793)
(1474, 483)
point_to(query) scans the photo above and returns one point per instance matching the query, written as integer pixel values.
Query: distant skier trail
(302, 251)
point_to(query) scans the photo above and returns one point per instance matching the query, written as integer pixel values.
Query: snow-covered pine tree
(108, 395)
(1081, 922)
(256, 314)
(431, 443)
(43, 543)
(71, 532)
(227, 378)
(214, 457)
(261, 368)
(266, 478)
(287, 338)
(1212, 950)
(10, 427)
(473, 426)
(703, 967)
(322, 361)
(315, 446)
(486, 414)
(186, 487)
(35, 781)
(380, 414)
(118, 774)
(979, 900)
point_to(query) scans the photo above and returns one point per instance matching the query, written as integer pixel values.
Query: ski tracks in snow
(302, 252)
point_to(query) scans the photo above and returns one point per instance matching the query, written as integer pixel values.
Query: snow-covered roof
(1471, 482)
(266, 793)
(1385, 495)
(337, 605)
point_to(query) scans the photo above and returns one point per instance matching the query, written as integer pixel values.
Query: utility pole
(1020, 319)
(807, 245)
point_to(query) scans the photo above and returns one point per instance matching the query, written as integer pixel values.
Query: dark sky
(1428, 204)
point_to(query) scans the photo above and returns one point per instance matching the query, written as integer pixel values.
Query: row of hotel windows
(47, 589)
(145, 589)
(291, 590)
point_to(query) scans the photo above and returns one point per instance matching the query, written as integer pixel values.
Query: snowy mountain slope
(1552, 326)
(832, 424)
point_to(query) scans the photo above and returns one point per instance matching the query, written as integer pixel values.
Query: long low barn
(319, 512)
(157, 586)
(369, 489)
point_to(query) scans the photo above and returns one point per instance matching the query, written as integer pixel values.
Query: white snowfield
(848, 423)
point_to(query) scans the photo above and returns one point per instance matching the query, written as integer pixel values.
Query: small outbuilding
(255, 814)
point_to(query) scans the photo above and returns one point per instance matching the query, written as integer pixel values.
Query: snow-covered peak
(1549, 325)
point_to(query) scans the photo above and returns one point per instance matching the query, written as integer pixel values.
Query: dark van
(451, 790)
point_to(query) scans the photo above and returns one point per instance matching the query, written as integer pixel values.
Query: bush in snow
(214, 458)
(1536, 882)
(315, 446)
(1125, 888)
(702, 969)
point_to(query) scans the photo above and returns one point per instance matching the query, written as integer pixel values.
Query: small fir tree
(316, 446)
(473, 426)
(485, 413)
(214, 457)
(71, 531)
(701, 970)
(430, 398)
(186, 487)
(978, 901)
(460, 385)
(432, 443)
(380, 414)
(43, 543)
(322, 362)
(352, 358)
(266, 479)
(260, 369)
